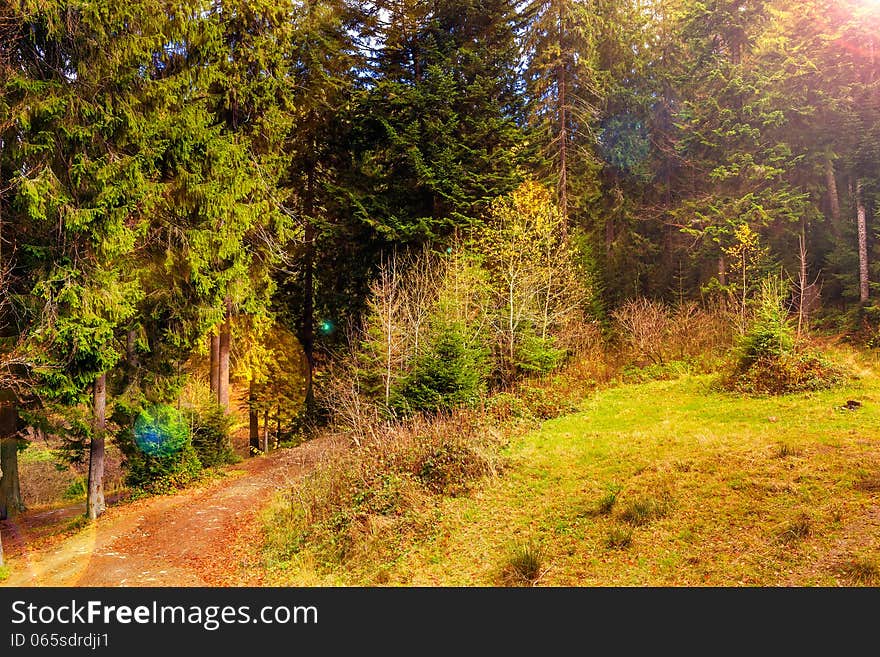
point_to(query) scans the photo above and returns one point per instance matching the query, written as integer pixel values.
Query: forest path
(207, 535)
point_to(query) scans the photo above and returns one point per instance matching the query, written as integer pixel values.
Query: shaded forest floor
(201, 536)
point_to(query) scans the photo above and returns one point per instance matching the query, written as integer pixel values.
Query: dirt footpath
(204, 536)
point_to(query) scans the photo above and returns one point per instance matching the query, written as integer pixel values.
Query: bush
(506, 406)
(787, 374)
(770, 334)
(77, 490)
(768, 361)
(159, 454)
(545, 403)
(657, 334)
(452, 372)
(644, 324)
(536, 355)
(212, 434)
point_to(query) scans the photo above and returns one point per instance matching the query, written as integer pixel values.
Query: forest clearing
(659, 483)
(563, 293)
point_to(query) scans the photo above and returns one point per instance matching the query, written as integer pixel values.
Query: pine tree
(440, 131)
(564, 89)
(82, 192)
(327, 271)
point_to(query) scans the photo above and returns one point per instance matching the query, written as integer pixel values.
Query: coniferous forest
(543, 291)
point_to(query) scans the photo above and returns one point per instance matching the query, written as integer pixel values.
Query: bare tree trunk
(132, 362)
(307, 325)
(511, 335)
(563, 125)
(96, 505)
(11, 503)
(266, 431)
(215, 364)
(864, 290)
(833, 196)
(389, 336)
(722, 280)
(253, 422)
(225, 342)
(802, 282)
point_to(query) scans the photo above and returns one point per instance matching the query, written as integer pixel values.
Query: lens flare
(160, 431)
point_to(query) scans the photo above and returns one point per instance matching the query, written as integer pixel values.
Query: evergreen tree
(440, 129)
(82, 191)
(564, 88)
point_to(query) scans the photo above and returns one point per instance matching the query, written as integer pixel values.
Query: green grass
(37, 454)
(4, 573)
(711, 488)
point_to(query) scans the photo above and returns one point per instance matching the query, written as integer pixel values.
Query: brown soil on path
(204, 536)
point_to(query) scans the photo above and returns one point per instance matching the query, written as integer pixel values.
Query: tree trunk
(722, 271)
(864, 291)
(307, 325)
(225, 343)
(833, 197)
(215, 364)
(266, 432)
(253, 422)
(95, 505)
(802, 282)
(131, 358)
(11, 503)
(563, 124)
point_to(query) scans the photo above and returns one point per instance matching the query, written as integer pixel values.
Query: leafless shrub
(696, 330)
(645, 325)
(658, 332)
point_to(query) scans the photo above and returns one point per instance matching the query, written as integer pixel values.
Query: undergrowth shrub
(211, 428)
(545, 402)
(537, 355)
(768, 359)
(158, 451)
(364, 505)
(788, 373)
(657, 335)
(77, 489)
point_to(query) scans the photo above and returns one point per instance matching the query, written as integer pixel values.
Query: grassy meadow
(661, 483)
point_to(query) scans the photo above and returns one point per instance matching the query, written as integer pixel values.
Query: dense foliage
(448, 190)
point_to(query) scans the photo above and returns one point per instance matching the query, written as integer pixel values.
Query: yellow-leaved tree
(539, 284)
